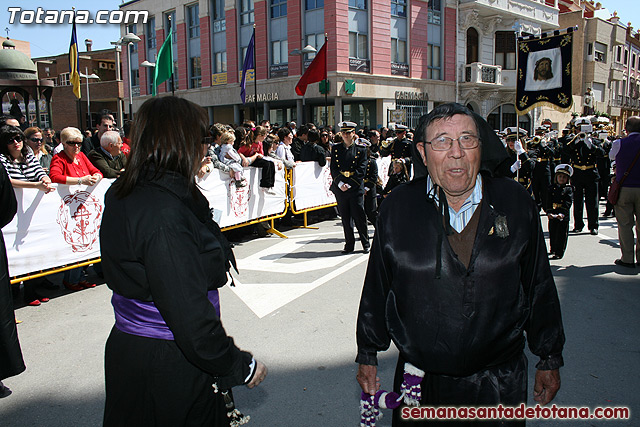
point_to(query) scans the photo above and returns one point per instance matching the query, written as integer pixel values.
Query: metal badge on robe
(500, 227)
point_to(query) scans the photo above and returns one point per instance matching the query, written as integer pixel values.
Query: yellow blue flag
(74, 74)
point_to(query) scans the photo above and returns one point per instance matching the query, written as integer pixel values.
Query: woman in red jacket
(71, 167)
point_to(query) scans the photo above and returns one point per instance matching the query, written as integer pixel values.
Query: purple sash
(143, 318)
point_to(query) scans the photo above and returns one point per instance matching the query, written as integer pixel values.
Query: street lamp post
(301, 52)
(151, 65)
(87, 77)
(127, 40)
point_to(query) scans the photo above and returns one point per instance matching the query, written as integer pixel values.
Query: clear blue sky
(53, 39)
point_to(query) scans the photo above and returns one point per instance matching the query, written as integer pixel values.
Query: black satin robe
(471, 322)
(11, 362)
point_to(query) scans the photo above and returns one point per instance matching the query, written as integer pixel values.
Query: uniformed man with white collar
(348, 168)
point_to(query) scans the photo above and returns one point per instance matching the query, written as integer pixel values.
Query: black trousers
(504, 384)
(268, 172)
(149, 382)
(351, 208)
(540, 185)
(558, 235)
(585, 192)
(371, 205)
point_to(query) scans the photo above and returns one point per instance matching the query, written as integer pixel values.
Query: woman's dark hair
(7, 133)
(255, 132)
(283, 133)
(269, 142)
(166, 134)
(313, 136)
(241, 137)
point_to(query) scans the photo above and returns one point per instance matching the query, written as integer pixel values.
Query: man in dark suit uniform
(348, 168)
(583, 154)
(400, 147)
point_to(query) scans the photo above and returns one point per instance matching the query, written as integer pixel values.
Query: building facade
(103, 93)
(625, 93)
(595, 65)
(383, 56)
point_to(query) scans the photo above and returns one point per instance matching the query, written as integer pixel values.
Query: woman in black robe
(11, 362)
(168, 360)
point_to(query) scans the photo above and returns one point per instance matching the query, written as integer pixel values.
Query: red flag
(316, 72)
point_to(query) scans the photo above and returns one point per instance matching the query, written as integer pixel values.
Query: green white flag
(164, 63)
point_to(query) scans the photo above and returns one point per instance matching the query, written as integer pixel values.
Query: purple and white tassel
(410, 388)
(369, 413)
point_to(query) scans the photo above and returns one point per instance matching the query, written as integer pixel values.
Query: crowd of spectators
(39, 158)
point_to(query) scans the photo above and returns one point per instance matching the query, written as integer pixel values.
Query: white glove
(517, 146)
(517, 165)
(588, 142)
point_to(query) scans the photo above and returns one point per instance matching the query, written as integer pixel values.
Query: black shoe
(556, 257)
(594, 232)
(624, 264)
(347, 250)
(577, 230)
(366, 249)
(4, 390)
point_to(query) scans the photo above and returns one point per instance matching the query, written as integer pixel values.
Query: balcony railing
(623, 101)
(477, 72)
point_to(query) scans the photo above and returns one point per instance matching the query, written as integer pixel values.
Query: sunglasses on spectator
(14, 139)
(207, 140)
(324, 135)
(78, 143)
(36, 139)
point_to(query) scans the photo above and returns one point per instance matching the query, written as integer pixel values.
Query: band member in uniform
(559, 205)
(519, 165)
(370, 185)
(542, 153)
(348, 169)
(400, 147)
(583, 154)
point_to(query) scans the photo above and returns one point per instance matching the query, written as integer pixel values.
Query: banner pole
(326, 85)
(255, 77)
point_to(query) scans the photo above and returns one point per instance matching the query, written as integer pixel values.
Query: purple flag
(247, 65)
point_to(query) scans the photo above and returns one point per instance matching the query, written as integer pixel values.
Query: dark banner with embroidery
(544, 71)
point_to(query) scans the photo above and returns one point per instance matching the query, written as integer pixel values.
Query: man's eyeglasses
(325, 135)
(36, 139)
(78, 143)
(444, 143)
(207, 140)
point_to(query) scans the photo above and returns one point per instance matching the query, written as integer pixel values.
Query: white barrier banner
(311, 186)
(383, 169)
(235, 205)
(55, 229)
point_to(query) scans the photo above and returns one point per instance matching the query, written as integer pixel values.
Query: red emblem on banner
(79, 217)
(239, 199)
(327, 180)
(384, 172)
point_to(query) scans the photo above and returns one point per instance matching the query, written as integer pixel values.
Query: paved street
(295, 307)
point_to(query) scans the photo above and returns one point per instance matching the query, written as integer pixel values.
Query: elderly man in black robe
(459, 286)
